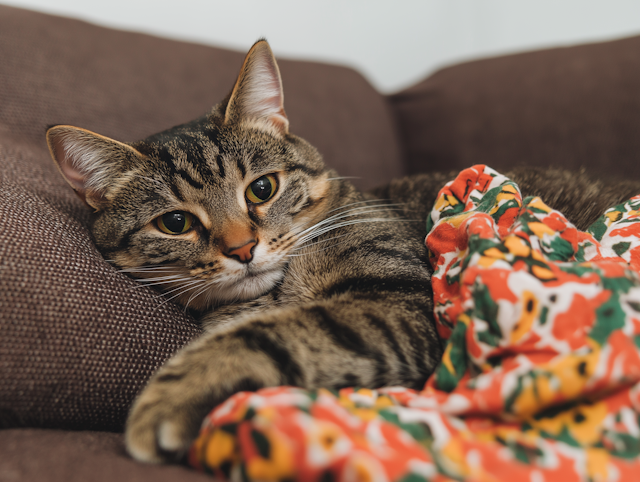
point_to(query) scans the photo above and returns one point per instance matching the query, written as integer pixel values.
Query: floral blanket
(540, 379)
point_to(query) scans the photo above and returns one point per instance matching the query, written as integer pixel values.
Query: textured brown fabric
(126, 85)
(78, 339)
(565, 107)
(59, 456)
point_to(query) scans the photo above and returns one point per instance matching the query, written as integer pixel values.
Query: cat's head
(209, 210)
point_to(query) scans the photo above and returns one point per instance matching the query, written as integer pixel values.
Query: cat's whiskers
(182, 289)
(201, 291)
(348, 223)
(342, 177)
(144, 282)
(352, 212)
(363, 202)
(319, 242)
(334, 222)
(174, 282)
(172, 277)
(340, 220)
(342, 224)
(149, 269)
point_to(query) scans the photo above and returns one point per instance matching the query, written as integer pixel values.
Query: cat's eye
(175, 222)
(262, 189)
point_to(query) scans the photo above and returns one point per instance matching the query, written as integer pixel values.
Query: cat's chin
(250, 287)
(247, 287)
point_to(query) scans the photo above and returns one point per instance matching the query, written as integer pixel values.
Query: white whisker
(148, 270)
(186, 284)
(175, 280)
(160, 278)
(320, 242)
(199, 292)
(341, 224)
(350, 213)
(181, 290)
(364, 202)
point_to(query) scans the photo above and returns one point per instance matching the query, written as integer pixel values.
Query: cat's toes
(157, 434)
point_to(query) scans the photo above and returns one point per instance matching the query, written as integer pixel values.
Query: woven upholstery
(33, 454)
(566, 107)
(77, 339)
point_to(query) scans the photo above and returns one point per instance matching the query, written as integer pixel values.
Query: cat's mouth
(202, 289)
(252, 283)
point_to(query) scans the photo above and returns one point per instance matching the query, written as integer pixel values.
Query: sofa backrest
(565, 107)
(126, 85)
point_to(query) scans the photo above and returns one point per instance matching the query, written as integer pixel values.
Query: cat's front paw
(167, 415)
(163, 422)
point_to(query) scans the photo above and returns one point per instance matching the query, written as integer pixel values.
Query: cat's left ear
(257, 96)
(92, 164)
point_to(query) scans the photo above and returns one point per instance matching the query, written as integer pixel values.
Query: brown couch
(78, 339)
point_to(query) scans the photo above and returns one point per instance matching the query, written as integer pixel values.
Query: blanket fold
(540, 378)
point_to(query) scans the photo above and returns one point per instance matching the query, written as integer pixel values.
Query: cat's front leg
(167, 415)
(334, 343)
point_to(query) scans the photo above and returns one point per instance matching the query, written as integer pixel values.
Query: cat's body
(300, 279)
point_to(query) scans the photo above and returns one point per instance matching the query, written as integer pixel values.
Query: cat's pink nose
(244, 253)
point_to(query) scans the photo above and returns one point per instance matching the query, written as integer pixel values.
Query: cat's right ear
(257, 97)
(90, 163)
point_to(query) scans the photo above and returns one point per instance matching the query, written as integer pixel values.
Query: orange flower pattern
(540, 378)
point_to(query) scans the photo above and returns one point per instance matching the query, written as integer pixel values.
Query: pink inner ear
(75, 177)
(62, 158)
(274, 102)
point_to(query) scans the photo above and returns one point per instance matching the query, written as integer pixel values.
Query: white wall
(393, 42)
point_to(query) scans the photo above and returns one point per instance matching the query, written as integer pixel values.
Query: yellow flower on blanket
(540, 229)
(325, 442)
(584, 422)
(517, 246)
(362, 467)
(563, 378)
(446, 200)
(507, 193)
(457, 220)
(221, 448)
(597, 464)
(530, 309)
(277, 462)
(538, 204)
(613, 216)
(458, 463)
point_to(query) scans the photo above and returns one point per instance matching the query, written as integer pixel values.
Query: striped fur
(337, 292)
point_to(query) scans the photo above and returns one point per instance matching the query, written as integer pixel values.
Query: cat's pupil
(262, 188)
(175, 221)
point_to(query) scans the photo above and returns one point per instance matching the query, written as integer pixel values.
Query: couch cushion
(63, 456)
(563, 107)
(77, 339)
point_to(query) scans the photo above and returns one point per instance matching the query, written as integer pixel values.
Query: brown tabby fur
(346, 305)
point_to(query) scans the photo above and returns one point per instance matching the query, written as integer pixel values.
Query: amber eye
(176, 222)
(262, 189)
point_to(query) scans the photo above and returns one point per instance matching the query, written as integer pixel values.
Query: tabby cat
(299, 278)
